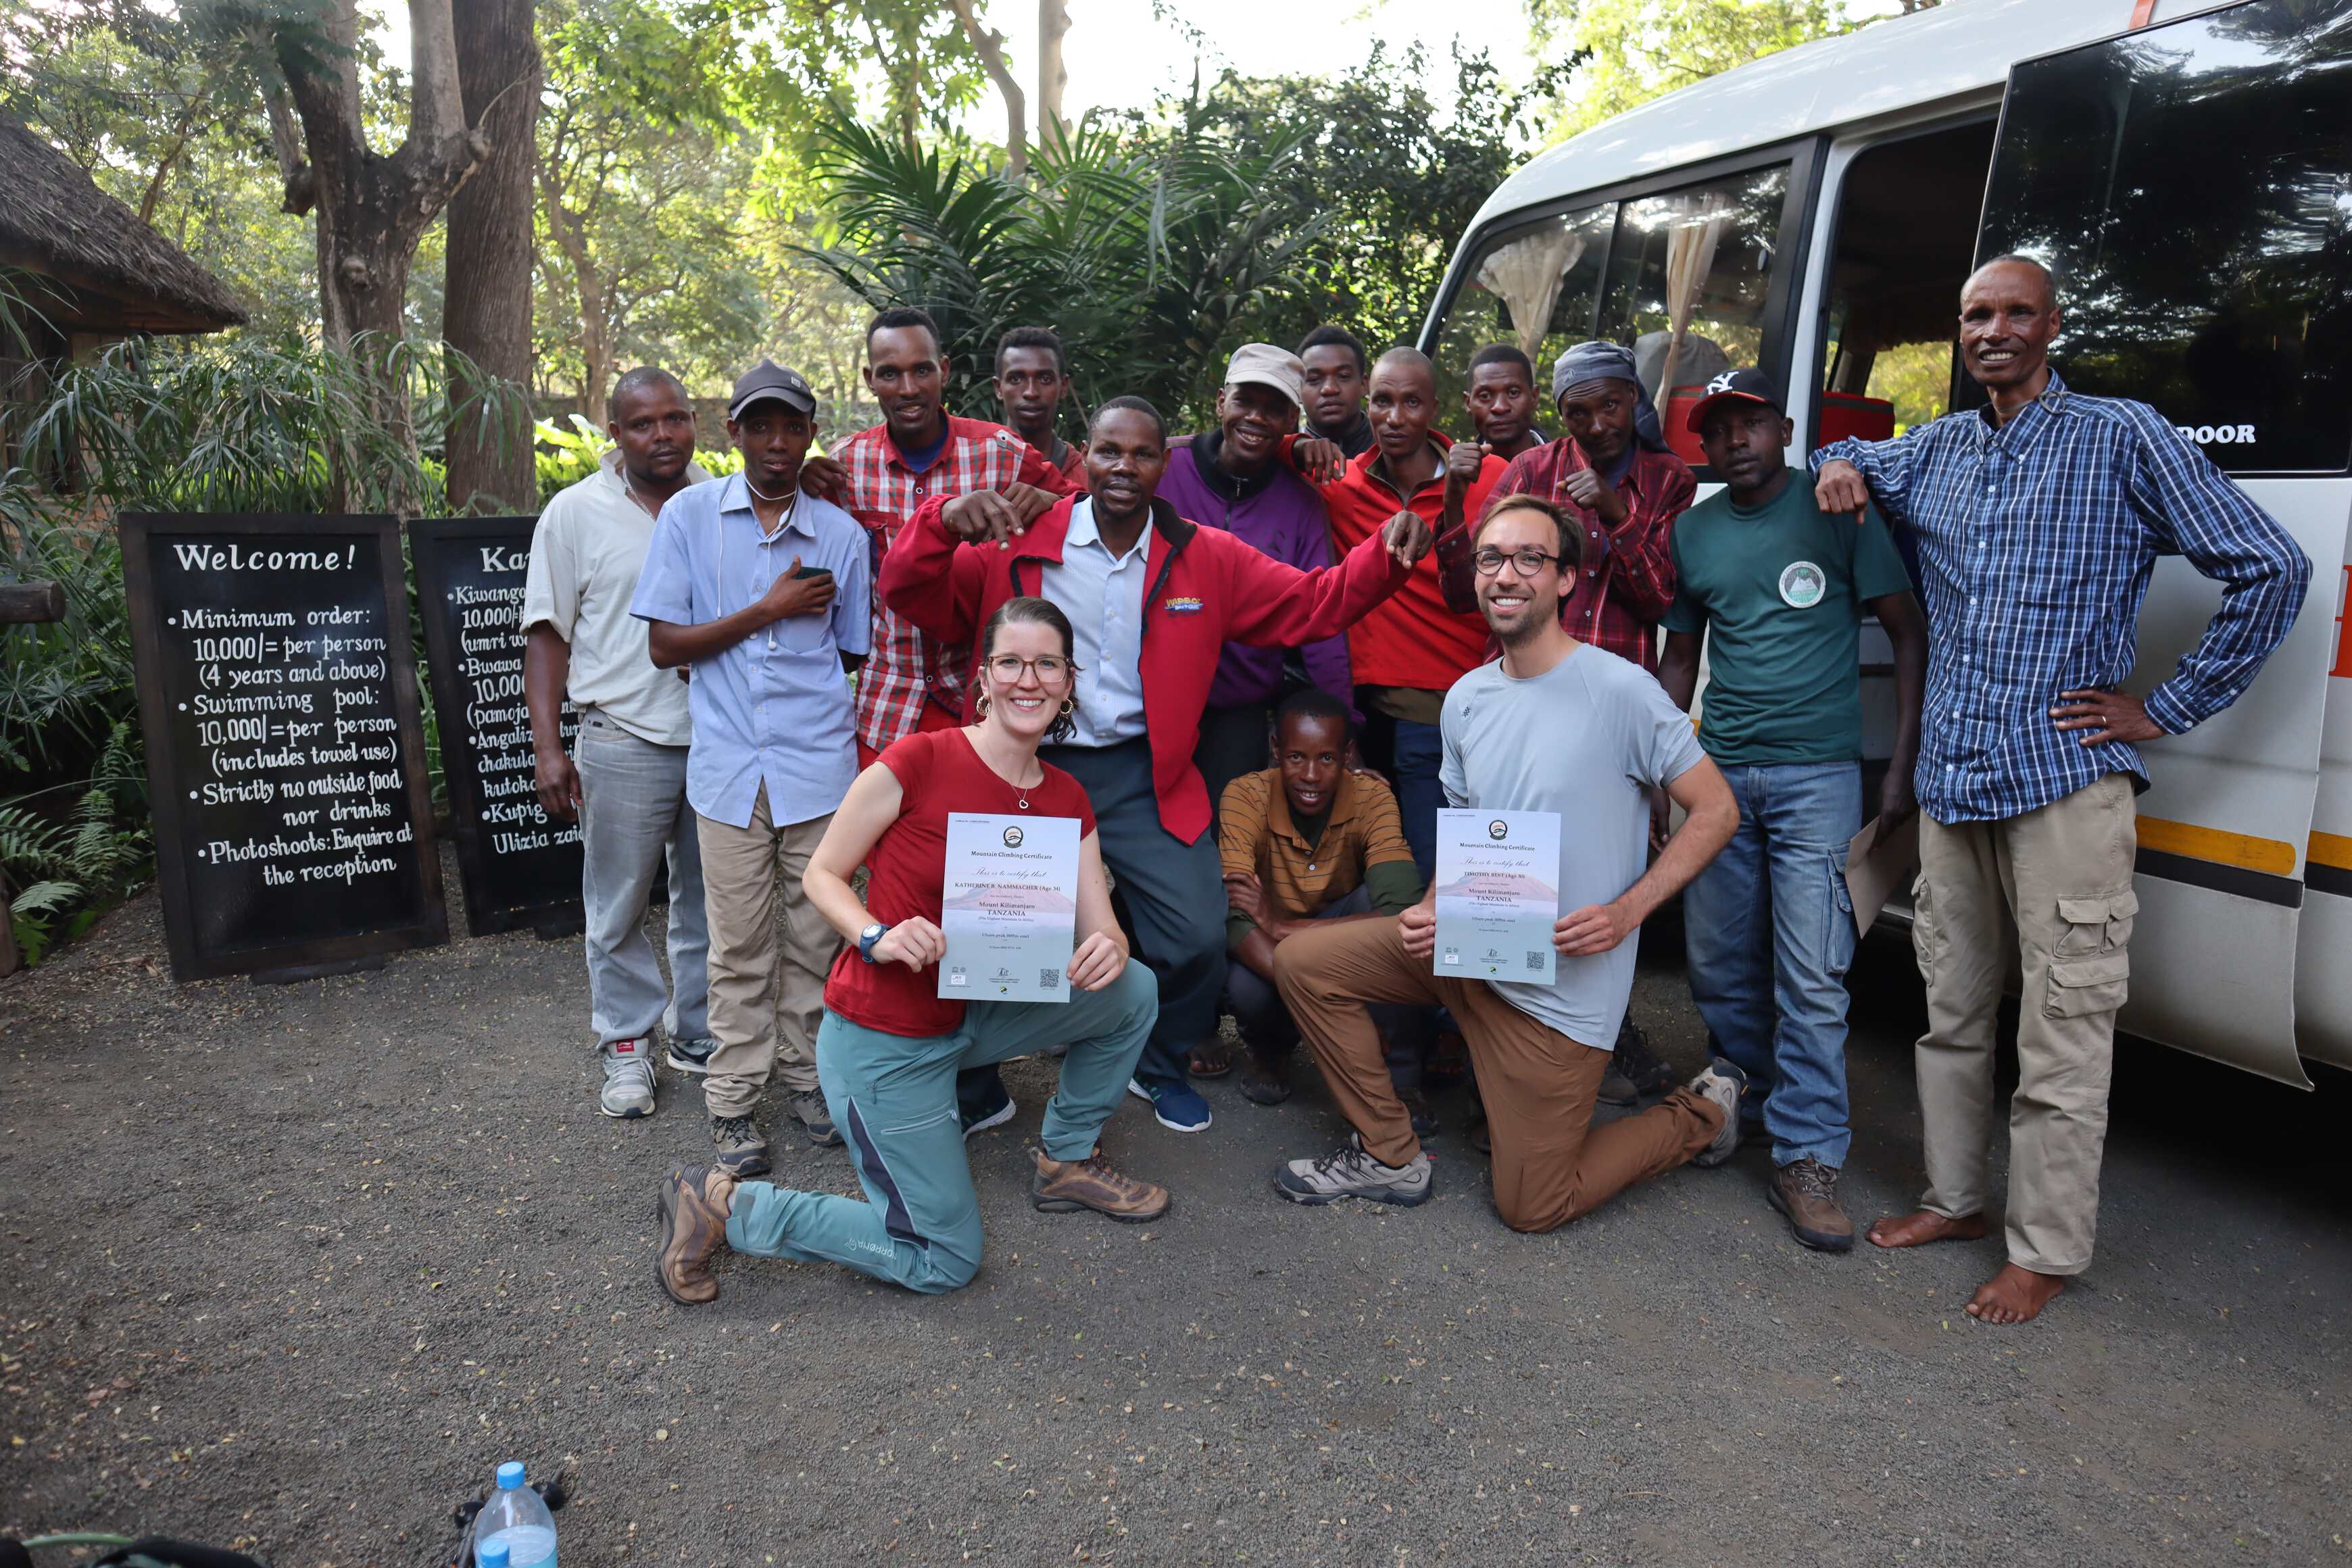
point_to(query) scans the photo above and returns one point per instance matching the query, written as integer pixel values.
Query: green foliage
(1399, 177)
(569, 453)
(69, 869)
(1632, 51)
(1148, 259)
(251, 423)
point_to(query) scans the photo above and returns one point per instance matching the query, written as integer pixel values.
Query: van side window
(1536, 285)
(2192, 186)
(1688, 274)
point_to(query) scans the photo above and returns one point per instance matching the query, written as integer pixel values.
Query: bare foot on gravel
(1923, 1226)
(2014, 1295)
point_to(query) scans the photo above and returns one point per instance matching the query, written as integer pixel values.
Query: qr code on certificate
(1535, 960)
(1049, 980)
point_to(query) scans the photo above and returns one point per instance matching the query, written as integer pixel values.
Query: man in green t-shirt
(1778, 589)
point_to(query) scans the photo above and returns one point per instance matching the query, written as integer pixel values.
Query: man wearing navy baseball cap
(1777, 589)
(763, 591)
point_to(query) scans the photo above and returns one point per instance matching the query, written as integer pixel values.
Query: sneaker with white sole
(692, 1055)
(1351, 1172)
(1178, 1107)
(993, 1110)
(1723, 1082)
(628, 1091)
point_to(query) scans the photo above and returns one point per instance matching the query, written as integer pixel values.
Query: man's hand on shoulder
(1839, 487)
(979, 517)
(1319, 462)
(2095, 717)
(1407, 536)
(825, 479)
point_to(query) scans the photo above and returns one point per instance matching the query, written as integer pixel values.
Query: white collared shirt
(1103, 596)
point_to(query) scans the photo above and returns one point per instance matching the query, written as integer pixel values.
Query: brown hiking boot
(1063, 1185)
(692, 1209)
(1806, 1192)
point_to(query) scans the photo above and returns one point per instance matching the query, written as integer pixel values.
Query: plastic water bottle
(514, 1529)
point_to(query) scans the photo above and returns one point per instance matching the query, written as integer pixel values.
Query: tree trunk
(1053, 23)
(990, 47)
(487, 317)
(372, 208)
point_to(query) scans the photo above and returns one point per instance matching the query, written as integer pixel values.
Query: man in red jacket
(1152, 599)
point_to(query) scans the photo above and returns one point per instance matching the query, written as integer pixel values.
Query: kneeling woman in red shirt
(890, 1048)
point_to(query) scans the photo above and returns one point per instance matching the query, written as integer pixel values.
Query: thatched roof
(106, 271)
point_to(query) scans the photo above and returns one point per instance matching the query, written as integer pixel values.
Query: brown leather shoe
(1806, 1192)
(1063, 1185)
(692, 1209)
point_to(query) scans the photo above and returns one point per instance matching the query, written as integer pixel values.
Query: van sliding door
(2191, 185)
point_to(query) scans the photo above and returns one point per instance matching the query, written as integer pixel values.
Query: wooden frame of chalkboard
(426, 919)
(486, 871)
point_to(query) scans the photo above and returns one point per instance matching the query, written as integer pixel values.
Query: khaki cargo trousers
(2059, 880)
(766, 997)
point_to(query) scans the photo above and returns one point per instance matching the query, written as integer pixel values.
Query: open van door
(2190, 184)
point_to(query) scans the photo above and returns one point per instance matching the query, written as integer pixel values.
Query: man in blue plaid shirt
(2038, 520)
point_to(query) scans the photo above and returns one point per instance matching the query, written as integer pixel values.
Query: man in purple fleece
(1235, 478)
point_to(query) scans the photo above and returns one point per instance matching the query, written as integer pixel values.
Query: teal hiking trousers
(894, 1100)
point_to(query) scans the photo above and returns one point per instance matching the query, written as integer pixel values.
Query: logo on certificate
(1498, 831)
(1012, 837)
(1803, 584)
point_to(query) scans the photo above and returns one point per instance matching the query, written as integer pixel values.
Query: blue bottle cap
(494, 1555)
(509, 1474)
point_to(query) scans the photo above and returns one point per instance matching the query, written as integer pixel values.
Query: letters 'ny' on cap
(770, 380)
(1734, 387)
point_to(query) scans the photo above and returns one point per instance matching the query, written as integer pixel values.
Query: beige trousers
(764, 1005)
(2059, 880)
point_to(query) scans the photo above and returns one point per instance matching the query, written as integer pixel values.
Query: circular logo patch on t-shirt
(1803, 584)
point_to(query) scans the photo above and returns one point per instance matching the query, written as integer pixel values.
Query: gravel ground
(293, 1267)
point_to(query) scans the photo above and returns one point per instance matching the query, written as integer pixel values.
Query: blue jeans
(895, 1100)
(1418, 754)
(1770, 936)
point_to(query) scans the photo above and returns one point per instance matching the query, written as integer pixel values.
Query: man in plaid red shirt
(1611, 469)
(910, 681)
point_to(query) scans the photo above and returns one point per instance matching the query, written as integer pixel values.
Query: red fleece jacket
(1205, 587)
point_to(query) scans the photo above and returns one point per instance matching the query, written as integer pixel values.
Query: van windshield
(2191, 185)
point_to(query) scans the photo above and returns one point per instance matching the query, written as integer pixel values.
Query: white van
(2187, 170)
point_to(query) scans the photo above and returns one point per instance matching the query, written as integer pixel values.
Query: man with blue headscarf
(1611, 469)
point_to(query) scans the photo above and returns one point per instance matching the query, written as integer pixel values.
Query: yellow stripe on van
(2212, 844)
(2331, 849)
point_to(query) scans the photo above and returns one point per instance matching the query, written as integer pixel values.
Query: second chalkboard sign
(520, 865)
(285, 745)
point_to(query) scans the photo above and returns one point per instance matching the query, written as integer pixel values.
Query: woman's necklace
(1019, 790)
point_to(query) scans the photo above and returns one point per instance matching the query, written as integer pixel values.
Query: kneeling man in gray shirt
(1554, 725)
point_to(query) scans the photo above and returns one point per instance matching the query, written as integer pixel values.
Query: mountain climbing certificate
(1496, 901)
(1009, 907)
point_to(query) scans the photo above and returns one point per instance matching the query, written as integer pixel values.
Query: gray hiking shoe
(808, 1108)
(629, 1088)
(742, 1152)
(691, 1055)
(1350, 1173)
(1723, 1083)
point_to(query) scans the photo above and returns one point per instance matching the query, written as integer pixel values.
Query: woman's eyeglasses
(1525, 562)
(1007, 668)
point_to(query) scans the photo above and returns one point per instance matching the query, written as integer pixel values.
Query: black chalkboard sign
(520, 865)
(285, 748)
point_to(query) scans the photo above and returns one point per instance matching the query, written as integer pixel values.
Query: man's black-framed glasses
(1051, 669)
(1524, 563)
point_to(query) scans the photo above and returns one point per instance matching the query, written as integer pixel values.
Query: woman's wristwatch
(867, 938)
